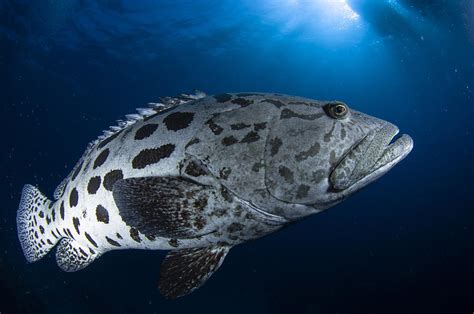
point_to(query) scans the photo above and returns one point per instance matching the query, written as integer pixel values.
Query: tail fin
(33, 220)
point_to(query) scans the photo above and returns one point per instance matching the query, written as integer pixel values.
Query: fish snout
(371, 157)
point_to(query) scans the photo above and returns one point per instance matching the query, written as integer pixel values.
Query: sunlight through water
(329, 21)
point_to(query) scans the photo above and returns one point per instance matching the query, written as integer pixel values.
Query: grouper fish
(198, 174)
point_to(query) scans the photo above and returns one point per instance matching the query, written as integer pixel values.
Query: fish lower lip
(397, 149)
(373, 156)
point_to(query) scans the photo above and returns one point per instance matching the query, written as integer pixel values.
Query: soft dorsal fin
(184, 271)
(170, 207)
(164, 104)
(58, 192)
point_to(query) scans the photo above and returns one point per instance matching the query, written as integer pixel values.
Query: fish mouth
(370, 158)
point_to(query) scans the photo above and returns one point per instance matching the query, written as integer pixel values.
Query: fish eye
(337, 110)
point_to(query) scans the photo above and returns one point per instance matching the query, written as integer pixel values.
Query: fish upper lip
(371, 157)
(399, 148)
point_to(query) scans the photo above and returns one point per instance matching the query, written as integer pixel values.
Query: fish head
(319, 153)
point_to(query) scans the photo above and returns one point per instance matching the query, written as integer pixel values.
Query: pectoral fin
(183, 271)
(171, 207)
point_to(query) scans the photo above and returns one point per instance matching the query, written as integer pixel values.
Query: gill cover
(231, 144)
(305, 143)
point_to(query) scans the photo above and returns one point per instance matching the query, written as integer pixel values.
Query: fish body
(200, 174)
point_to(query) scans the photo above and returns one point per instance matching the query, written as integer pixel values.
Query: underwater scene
(217, 156)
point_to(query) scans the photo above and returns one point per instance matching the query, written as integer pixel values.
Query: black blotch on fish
(61, 210)
(215, 128)
(242, 102)
(223, 97)
(111, 177)
(318, 176)
(235, 227)
(76, 171)
(311, 152)
(200, 204)
(178, 120)
(256, 166)
(146, 131)
(259, 126)
(200, 222)
(160, 112)
(99, 161)
(328, 136)
(125, 133)
(70, 233)
(87, 165)
(224, 173)
(229, 140)
(152, 155)
(287, 114)
(251, 137)
(83, 252)
(239, 126)
(41, 229)
(134, 235)
(41, 214)
(73, 198)
(300, 103)
(226, 194)
(302, 191)
(89, 238)
(93, 185)
(286, 173)
(275, 102)
(113, 242)
(119, 236)
(173, 242)
(248, 94)
(275, 145)
(332, 158)
(102, 214)
(76, 223)
(108, 140)
(192, 142)
(194, 170)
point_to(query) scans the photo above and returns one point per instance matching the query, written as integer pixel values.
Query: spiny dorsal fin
(165, 103)
(184, 271)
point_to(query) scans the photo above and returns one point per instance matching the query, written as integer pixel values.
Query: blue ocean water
(404, 244)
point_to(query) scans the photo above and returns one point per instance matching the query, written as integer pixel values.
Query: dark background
(404, 244)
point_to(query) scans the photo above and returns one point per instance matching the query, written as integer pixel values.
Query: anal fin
(184, 271)
(71, 256)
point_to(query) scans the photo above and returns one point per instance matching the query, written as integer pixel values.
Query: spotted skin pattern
(223, 170)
